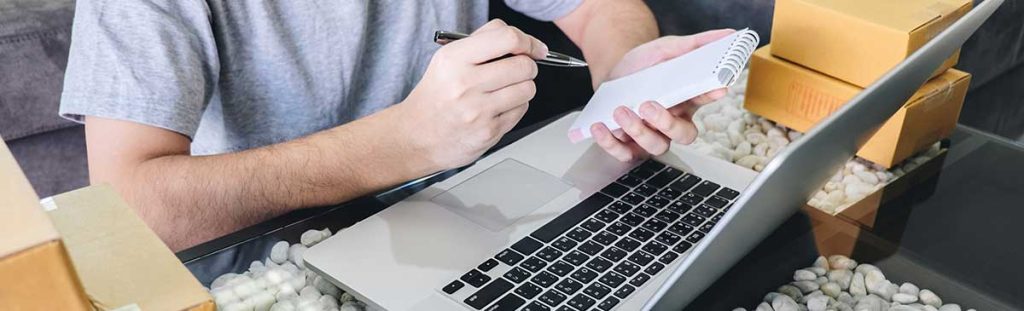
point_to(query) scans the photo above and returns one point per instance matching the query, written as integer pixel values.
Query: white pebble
(929, 298)
(311, 237)
(261, 301)
(222, 280)
(286, 292)
(238, 306)
(950, 307)
(817, 303)
(784, 303)
(841, 277)
(764, 306)
(325, 287)
(328, 302)
(910, 289)
(806, 286)
(279, 253)
(282, 306)
(857, 287)
(351, 306)
(818, 271)
(904, 298)
(831, 289)
(791, 291)
(295, 255)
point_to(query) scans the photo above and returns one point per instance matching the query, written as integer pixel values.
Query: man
(209, 116)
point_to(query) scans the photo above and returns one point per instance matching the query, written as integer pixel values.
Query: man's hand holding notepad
(709, 67)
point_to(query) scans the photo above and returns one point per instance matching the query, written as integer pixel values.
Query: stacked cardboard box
(84, 250)
(824, 52)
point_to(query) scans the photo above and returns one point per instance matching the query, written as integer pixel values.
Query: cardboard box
(798, 98)
(84, 250)
(121, 262)
(35, 270)
(858, 41)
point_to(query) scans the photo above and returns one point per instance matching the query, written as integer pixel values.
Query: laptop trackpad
(501, 194)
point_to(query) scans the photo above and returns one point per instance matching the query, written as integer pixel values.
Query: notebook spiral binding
(732, 63)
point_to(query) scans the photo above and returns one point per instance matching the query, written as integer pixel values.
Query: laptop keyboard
(596, 254)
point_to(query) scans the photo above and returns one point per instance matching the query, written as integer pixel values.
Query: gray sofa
(34, 37)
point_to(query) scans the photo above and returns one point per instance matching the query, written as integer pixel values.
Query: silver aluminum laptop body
(400, 258)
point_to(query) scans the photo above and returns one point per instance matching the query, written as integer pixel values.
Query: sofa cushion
(34, 40)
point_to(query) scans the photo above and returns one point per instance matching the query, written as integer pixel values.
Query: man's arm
(465, 102)
(605, 30)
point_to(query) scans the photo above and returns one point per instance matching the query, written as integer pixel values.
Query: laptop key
(685, 183)
(508, 303)
(488, 294)
(668, 238)
(533, 264)
(606, 215)
(571, 217)
(728, 193)
(716, 202)
(693, 219)
(582, 302)
(579, 234)
(705, 211)
(576, 258)
(612, 279)
(654, 268)
(655, 248)
(668, 216)
(657, 202)
(475, 278)
(640, 279)
(614, 254)
(691, 199)
(564, 244)
(628, 244)
(695, 237)
(668, 257)
(517, 275)
(509, 257)
(624, 291)
(608, 304)
(681, 228)
(528, 290)
(584, 275)
(642, 172)
(453, 287)
(487, 265)
(544, 279)
(553, 297)
(645, 190)
(664, 177)
(682, 247)
(651, 165)
(632, 219)
(605, 238)
(590, 248)
(592, 224)
(569, 286)
(629, 180)
(527, 246)
(655, 224)
(619, 228)
(717, 217)
(626, 268)
(669, 193)
(645, 210)
(565, 308)
(641, 258)
(641, 234)
(706, 227)
(599, 264)
(633, 198)
(560, 268)
(620, 207)
(705, 188)
(679, 207)
(597, 290)
(535, 306)
(614, 190)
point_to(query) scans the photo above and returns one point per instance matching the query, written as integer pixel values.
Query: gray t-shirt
(239, 74)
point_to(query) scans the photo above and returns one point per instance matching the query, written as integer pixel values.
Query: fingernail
(647, 111)
(622, 117)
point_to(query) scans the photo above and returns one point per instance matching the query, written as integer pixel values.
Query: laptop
(543, 224)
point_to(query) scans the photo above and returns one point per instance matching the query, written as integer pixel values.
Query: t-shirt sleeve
(152, 62)
(544, 10)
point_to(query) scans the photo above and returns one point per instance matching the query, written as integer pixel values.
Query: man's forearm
(606, 29)
(190, 199)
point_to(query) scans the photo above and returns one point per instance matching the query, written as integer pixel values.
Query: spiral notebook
(712, 66)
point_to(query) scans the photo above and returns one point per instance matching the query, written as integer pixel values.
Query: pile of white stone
(839, 283)
(282, 283)
(729, 132)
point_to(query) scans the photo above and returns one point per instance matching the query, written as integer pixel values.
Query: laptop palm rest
(502, 194)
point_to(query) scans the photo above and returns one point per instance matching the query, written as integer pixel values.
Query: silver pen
(553, 58)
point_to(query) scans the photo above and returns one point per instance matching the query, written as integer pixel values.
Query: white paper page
(668, 83)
